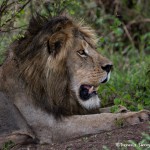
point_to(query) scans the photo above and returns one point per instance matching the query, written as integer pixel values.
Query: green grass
(8, 145)
(130, 82)
(144, 144)
(141, 145)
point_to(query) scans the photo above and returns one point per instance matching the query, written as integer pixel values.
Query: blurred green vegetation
(8, 145)
(123, 29)
(141, 145)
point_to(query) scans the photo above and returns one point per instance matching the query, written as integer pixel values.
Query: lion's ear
(55, 43)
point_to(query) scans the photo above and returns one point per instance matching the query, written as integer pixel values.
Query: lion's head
(60, 66)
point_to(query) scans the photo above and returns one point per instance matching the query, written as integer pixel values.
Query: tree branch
(16, 13)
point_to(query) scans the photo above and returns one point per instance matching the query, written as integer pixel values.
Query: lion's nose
(107, 67)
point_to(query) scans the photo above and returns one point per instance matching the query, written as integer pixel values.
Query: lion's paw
(131, 118)
(139, 117)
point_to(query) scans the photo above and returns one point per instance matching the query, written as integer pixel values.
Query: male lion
(51, 76)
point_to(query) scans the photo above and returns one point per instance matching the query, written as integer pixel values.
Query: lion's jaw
(91, 103)
(94, 101)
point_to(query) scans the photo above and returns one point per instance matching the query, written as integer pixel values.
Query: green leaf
(140, 106)
(117, 101)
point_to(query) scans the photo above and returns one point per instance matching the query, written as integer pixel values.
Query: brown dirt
(97, 141)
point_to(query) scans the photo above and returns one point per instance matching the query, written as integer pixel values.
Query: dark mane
(41, 60)
(39, 22)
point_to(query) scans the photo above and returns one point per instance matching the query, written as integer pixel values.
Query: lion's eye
(82, 53)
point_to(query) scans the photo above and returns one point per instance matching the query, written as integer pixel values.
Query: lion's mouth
(86, 92)
(105, 80)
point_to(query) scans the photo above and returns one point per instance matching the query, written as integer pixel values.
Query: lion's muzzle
(107, 67)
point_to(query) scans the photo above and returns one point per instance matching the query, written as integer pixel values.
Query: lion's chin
(91, 103)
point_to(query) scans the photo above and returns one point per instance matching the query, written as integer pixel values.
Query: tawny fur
(45, 74)
(42, 75)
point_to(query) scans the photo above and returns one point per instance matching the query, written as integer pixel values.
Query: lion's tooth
(91, 89)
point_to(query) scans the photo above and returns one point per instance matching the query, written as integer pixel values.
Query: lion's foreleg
(47, 129)
(77, 126)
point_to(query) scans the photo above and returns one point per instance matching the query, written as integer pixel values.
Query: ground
(97, 141)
